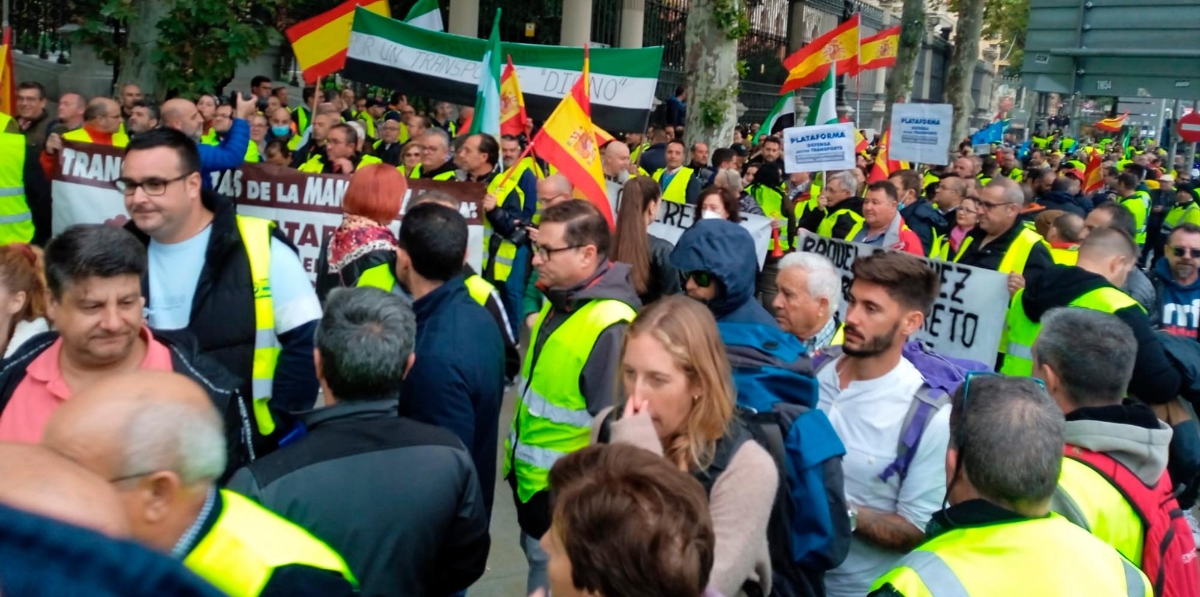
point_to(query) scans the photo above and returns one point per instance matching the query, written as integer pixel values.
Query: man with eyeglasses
(1001, 242)
(221, 124)
(101, 125)
(997, 536)
(552, 190)
(232, 280)
(840, 212)
(569, 373)
(435, 156)
(1177, 284)
(341, 153)
(387, 147)
(160, 443)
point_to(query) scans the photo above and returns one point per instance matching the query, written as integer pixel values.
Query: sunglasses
(702, 279)
(1181, 251)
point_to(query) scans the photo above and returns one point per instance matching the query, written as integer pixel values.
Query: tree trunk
(962, 67)
(900, 78)
(137, 57)
(712, 79)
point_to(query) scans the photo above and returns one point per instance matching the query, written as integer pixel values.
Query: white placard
(818, 148)
(967, 319)
(673, 218)
(921, 133)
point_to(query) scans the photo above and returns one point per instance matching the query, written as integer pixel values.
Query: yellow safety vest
(529, 164)
(771, 202)
(1023, 332)
(368, 123)
(210, 138)
(1017, 174)
(248, 542)
(16, 221)
(1106, 514)
(301, 119)
(316, 165)
(416, 171)
(498, 259)
(380, 276)
(1181, 212)
(1065, 256)
(5, 119)
(256, 237)
(676, 190)
(552, 419)
(80, 135)
(479, 289)
(1039, 557)
(1139, 206)
(826, 227)
(928, 179)
(637, 152)
(1018, 252)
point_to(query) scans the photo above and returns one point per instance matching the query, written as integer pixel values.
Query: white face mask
(711, 215)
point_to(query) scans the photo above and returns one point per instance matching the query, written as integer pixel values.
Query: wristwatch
(852, 514)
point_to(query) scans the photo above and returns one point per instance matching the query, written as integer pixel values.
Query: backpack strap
(920, 412)
(739, 433)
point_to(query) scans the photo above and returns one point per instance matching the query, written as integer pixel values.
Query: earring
(695, 398)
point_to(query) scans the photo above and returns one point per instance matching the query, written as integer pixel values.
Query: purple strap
(910, 438)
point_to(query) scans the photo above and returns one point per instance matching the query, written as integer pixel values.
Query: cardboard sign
(819, 148)
(921, 133)
(967, 318)
(674, 218)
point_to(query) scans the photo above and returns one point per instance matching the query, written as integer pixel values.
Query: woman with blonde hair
(362, 251)
(22, 296)
(680, 403)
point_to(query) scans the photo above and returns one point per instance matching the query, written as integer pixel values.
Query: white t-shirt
(175, 272)
(867, 416)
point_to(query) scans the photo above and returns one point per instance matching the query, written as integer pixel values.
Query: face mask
(281, 131)
(711, 215)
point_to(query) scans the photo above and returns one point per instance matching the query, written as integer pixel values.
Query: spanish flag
(811, 63)
(879, 50)
(1112, 125)
(8, 88)
(568, 142)
(320, 43)
(512, 102)
(1093, 177)
(884, 166)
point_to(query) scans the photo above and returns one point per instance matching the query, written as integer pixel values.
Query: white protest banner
(82, 190)
(818, 148)
(921, 133)
(968, 316)
(673, 218)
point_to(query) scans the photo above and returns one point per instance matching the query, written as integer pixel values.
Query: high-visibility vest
(676, 190)
(381, 276)
(552, 418)
(1065, 255)
(80, 135)
(826, 227)
(302, 118)
(771, 202)
(1018, 252)
(1139, 206)
(529, 164)
(498, 253)
(316, 164)
(928, 179)
(16, 221)
(248, 543)
(4, 120)
(1016, 174)
(211, 138)
(479, 289)
(256, 237)
(637, 152)
(1022, 332)
(1181, 212)
(983, 180)
(1040, 142)
(416, 171)
(1036, 557)
(940, 247)
(368, 123)
(1108, 515)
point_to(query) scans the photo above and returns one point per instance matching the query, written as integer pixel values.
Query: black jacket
(811, 220)
(444, 168)
(37, 196)
(1155, 380)
(222, 318)
(1062, 201)
(664, 278)
(990, 256)
(348, 276)
(389, 153)
(921, 217)
(398, 499)
(654, 158)
(222, 388)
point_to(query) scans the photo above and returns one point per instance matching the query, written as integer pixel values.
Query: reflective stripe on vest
(1139, 206)
(1017, 255)
(1023, 332)
(1181, 212)
(256, 236)
(826, 227)
(380, 276)
(498, 253)
(1104, 511)
(676, 190)
(247, 543)
(552, 419)
(81, 135)
(1038, 557)
(16, 221)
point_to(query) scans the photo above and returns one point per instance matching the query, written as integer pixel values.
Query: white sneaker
(1195, 526)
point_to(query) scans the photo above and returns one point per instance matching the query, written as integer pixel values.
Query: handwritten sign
(674, 218)
(967, 318)
(921, 133)
(818, 148)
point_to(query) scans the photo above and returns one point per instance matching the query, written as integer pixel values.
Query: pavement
(506, 569)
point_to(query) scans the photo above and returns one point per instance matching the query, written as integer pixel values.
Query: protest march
(441, 310)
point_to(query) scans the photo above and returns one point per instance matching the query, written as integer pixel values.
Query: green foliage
(714, 107)
(203, 41)
(1007, 20)
(741, 69)
(731, 17)
(99, 32)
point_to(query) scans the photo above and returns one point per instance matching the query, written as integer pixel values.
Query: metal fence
(36, 26)
(665, 23)
(606, 22)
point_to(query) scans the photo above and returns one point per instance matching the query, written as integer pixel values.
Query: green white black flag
(823, 110)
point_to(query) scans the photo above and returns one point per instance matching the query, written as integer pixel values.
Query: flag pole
(509, 172)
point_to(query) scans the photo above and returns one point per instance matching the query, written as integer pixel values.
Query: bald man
(101, 125)
(181, 114)
(40, 481)
(615, 161)
(1105, 259)
(157, 439)
(70, 113)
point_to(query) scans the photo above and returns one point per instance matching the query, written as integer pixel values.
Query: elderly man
(435, 156)
(157, 439)
(70, 113)
(615, 162)
(181, 114)
(807, 303)
(33, 118)
(314, 142)
(101, 125)
(965, 167)
(341, 153)
(1001, 242)
(840, 213)
(387, 147)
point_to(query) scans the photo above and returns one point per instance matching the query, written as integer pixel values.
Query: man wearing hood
(1105, 258)
(570, 370)
(1177, 284)
(720, 264)
(1090, 392)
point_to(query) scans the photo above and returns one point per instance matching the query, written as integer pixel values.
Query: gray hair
(440, 134)
(559, 184)
(175, 436)
(364, 339)
(731, 179)
(1013, 435)
(1011, 190)
(823, 279)
(844, 178)
(1091, 352)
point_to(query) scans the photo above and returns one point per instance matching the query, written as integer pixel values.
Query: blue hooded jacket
(727, 251)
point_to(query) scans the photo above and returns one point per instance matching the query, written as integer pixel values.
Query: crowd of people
(185, 409)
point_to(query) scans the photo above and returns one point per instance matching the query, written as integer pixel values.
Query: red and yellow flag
(8, 87)
(568, 141)
(320, 43)
(1093, 177)
(811, 63)
(879, 50)
(1112, 125)
(860, 142)
(512, 102)
(884, 165)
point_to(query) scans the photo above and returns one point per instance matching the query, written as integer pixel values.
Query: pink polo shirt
(43, 390)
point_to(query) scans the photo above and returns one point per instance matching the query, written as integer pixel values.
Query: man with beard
(867, 392)
(1177, 284)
